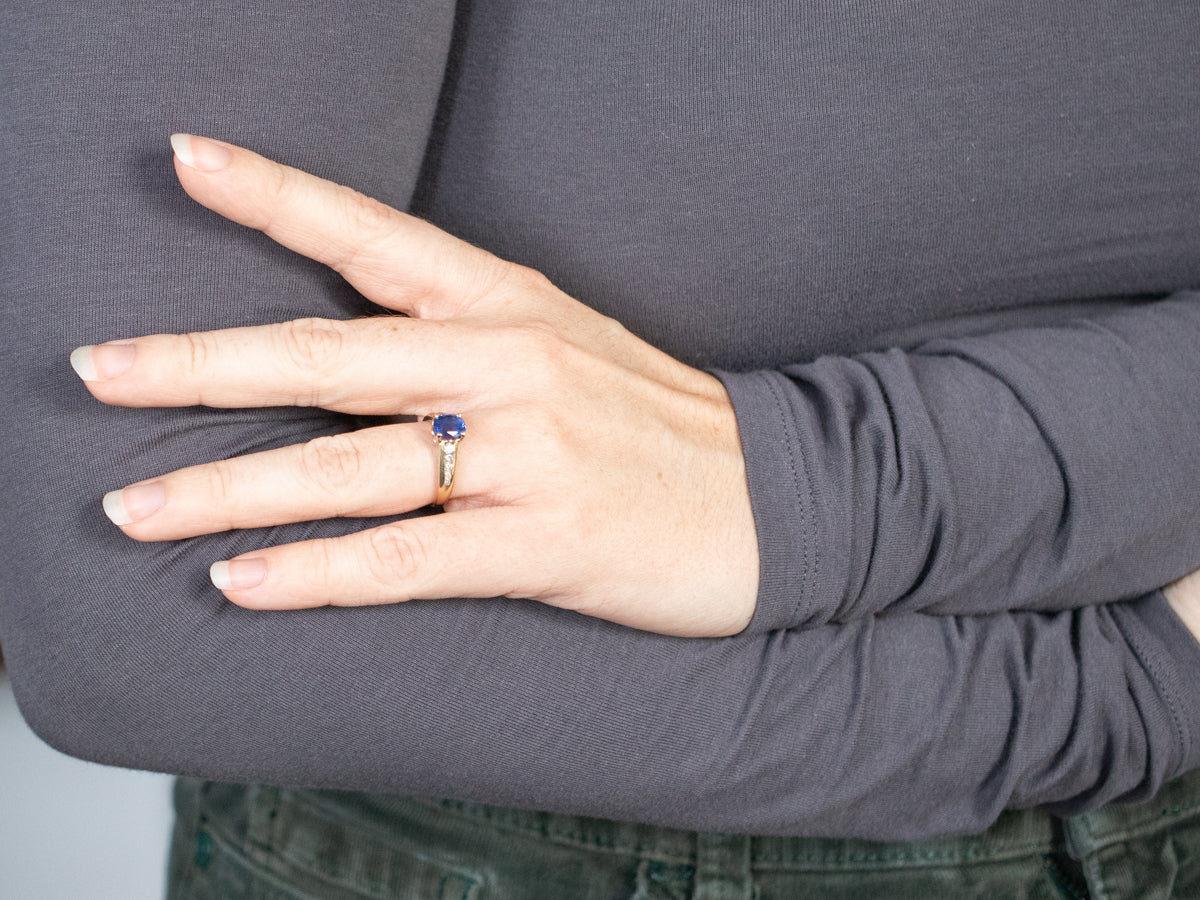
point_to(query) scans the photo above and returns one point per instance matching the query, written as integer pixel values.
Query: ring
(448, 430)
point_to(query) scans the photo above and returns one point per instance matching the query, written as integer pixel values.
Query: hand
(1184, 597)
(598, 474)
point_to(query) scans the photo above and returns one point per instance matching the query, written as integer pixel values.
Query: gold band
(447, 458)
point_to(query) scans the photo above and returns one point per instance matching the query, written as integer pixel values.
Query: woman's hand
(597, 473)
(1184, 597)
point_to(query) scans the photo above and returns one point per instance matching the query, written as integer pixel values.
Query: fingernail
(81, 362)
(200, 153)
(238, 574)
(134, 503)
(102, 362)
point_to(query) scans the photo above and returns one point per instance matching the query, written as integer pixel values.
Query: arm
(888, 729)
(608, 477)
(122, 652)
(1027, 468)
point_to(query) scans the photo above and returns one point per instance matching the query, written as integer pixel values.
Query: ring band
(448, 429)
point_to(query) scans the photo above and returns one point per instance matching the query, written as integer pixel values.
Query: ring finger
(377, 471)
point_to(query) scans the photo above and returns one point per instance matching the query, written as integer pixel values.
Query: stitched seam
(1100, 839)
(811, 559)
(259, 871)
(562, 838)
(1167, 691)
(378, 835)
(1128, 834)
(932, 856)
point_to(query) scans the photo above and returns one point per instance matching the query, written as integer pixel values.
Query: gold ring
(448, 429)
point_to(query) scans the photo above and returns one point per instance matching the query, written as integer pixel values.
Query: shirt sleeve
(123, 653)
(1029, 468)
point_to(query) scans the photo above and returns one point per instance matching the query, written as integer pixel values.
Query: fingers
(382, 365)
(394, 259)
(476, 553)
(373, 472)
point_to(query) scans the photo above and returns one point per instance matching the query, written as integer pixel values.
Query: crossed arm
(608, 478)
(123, 652)
(828, 730)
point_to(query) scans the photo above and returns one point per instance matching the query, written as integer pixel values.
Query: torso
(755, 183)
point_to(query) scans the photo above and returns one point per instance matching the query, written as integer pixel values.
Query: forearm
(886, 727)
(123, 652)
(1034, 468)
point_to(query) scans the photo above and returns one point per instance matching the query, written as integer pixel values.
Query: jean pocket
(279, 846)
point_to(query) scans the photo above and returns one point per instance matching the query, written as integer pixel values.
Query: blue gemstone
(447, 427)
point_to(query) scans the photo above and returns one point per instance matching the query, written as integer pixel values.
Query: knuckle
(526, 278)
(313, 345)
(546, 437)
(332, 463)
(370, 216)
(370, 222)
(542, 421)
(221, 487)
(610, 333)
(486, 275)
(540, 337)
(394, 554)
(321, 561)
(197, 348)
(279, 190)
(538, 348)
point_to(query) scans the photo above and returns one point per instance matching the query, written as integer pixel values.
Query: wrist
(1184, 597)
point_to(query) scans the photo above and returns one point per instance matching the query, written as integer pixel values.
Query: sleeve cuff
(790, 510)
(1170, 654)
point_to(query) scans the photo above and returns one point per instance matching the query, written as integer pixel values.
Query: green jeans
(233, 842)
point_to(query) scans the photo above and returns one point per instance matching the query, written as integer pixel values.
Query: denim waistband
(1016, 834)
(379, 846)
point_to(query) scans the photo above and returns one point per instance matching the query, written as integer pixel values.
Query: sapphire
(447, 427)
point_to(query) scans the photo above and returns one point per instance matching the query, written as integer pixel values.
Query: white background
(71, 830)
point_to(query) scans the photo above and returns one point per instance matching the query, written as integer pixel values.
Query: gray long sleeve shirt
(925, 251)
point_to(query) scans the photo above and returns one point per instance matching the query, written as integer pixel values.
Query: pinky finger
(469, 553)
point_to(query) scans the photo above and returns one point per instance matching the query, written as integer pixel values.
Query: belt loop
(723, 867)
(262, 822)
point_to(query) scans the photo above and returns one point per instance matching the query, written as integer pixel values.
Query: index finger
(392, 258)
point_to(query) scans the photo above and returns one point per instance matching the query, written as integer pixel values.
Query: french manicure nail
(238, 574)
(81, 362)
(200, 153)
(103, 361)
(134, 503)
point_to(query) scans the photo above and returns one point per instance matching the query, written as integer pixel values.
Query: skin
(596, 471)
(1184, 597)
